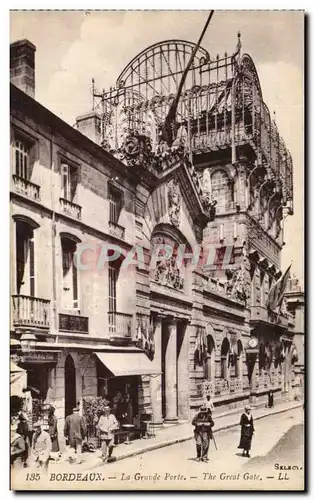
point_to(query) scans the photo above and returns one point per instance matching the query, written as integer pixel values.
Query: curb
(169, 442)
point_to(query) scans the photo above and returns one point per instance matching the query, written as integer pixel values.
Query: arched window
(225, 348)
(70, 298)
(222, 191)
(209, 364)
(238, 366)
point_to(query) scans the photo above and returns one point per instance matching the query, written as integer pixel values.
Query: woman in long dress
(247, 431)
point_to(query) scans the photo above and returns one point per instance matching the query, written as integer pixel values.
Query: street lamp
(28, 341)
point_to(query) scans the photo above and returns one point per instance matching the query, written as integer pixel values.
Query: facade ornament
(174, 202)
(237, 287)
(167, 273)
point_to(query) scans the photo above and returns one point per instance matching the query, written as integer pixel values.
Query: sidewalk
(168, 436)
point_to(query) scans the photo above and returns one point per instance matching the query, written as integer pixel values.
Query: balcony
(260, 314)
(30, 311)
(116, 230)
(120, 326)
(73, 323)
(26, 188)
(69, 208)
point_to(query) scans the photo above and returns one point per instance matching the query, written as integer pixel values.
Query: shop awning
(122, 364)
(18, 380)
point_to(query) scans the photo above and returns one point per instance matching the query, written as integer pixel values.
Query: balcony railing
(220, 387)
(261, 313)
(73, 323)
(116, 230)
(120, 325)
(70, 208)
(30, 311)
(26, 188)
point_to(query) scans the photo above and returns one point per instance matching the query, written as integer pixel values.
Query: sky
(75, 46)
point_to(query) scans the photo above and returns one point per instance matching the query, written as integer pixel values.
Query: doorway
(69, 385)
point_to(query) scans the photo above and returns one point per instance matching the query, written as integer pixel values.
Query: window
(21, 158)
(69, 181)
(222, 192)
(69, 275)
(113, 278)
(115, 204)
(25, 265)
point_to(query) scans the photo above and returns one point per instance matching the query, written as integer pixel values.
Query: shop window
(25, 260)
(69, 275)
(69, 182)
(115, 204)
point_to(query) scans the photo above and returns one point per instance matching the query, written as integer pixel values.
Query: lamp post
(28, 342)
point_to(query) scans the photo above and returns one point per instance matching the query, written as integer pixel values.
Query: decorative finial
(226, 55)
(274, 114)
(217, 57)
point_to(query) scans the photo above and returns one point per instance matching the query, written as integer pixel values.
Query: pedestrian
(203, 423)
(17, 448)
(107, 424)
(209, 404)
(270, 399)
(23, 430)
(53, 433)
(75, 433)
(247, 431)
(41, 446)
(127, 415)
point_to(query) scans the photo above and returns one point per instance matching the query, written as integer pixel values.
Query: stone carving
(168, 274)
(174, 202)
(237, 286)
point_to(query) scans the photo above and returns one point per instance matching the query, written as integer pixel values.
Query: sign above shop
(37, 357)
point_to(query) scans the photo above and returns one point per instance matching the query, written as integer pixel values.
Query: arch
(69, 236)
(26, 220)
(248, 67)
(238, 364)
(69, 385)
(209, 362)
(149, 53)
(224, 351)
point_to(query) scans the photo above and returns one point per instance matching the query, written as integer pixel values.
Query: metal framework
(221, 106)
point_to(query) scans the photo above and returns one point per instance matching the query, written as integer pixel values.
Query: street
(277, 440)
(276, 463)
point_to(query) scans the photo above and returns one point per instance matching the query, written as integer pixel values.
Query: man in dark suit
(203, 433)
(75, 432)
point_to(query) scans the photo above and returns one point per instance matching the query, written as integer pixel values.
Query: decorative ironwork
(208, 388)
(73, 323)
(120, 325)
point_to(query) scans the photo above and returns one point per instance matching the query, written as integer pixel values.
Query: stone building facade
(167, 330)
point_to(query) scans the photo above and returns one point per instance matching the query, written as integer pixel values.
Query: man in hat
(53, 432)
(41, 445)
(75, 432)
(203, 423)
(107, 424)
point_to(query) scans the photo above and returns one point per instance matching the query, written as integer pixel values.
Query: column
(155, 380)
(183, 372)
(171, 373)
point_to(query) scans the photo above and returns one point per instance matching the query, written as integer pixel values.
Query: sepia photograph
(157, 337)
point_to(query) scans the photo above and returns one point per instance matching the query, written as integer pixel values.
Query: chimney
(90, 125)
(22, 66)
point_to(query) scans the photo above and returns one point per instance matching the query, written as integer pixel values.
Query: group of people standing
(38, 445)
(203, 430)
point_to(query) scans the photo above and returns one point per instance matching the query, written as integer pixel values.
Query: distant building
(164, 333)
